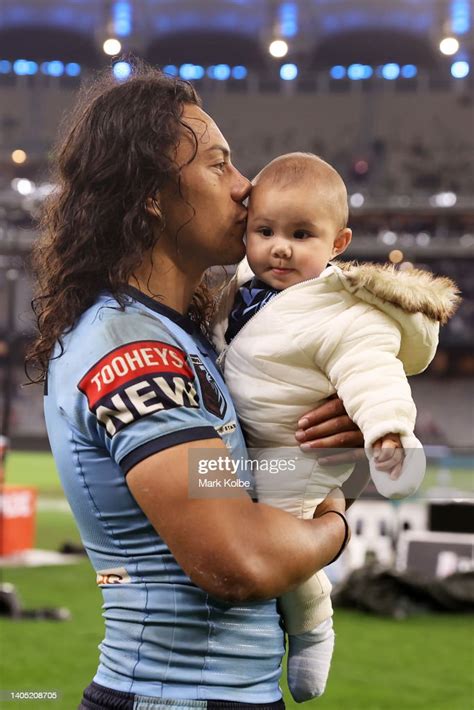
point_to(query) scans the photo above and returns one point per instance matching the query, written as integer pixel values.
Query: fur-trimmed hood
(414, 291)
(416, 300)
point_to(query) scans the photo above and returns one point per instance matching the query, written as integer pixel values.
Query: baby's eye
(265, 231)
(301, 234)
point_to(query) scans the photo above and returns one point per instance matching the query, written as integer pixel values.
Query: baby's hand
(389, 455)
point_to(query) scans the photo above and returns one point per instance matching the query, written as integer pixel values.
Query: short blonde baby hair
(292, 168)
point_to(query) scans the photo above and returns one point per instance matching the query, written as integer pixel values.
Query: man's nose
(241, 187)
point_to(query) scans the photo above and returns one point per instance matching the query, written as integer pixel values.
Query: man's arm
(231, 547)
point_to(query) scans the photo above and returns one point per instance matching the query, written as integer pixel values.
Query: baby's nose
(281, 248)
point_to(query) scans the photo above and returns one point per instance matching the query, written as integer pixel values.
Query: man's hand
(329, 427)
(389, 455)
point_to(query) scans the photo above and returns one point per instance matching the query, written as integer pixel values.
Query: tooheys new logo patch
(212, 397)
(136, 380)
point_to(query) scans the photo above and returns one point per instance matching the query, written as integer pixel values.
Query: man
(148, 199)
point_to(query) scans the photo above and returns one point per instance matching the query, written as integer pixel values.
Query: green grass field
(425, 662)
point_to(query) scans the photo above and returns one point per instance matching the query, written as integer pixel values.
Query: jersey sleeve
(140, 396)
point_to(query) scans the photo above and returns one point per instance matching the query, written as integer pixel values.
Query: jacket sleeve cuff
(411, 476)
(388, 426)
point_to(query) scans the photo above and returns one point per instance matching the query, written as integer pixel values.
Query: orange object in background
(17, 519)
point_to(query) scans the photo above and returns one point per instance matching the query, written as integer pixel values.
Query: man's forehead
(206, 130)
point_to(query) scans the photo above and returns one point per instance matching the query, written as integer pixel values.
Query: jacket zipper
(223, 354)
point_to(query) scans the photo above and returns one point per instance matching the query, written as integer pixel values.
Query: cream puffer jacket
(357, 330)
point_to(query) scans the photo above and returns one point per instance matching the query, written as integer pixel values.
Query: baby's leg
(309, 661)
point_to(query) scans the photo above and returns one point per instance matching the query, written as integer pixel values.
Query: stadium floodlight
(288, 19)
(460, 16)
(23, 67)
(288, 72)
(357, 199)
(122, 18)
(55, 68)
(112, 46)
(396, 256)
(390, 71)
(19, 156)
(361, 167)
(186, 71)
(122, 70)
(73, 69)
(170, 69)
(355, 71)
(460, 69)
(388, 237)
(199, 71)
(449, 46)
(191, 71)
(423, 239)
(443, 199)
(20, 67)
(221, 72)
(278, 48)
(409, 71)
(359, 71)
(239, 72)
(23, 186)
(338, 72)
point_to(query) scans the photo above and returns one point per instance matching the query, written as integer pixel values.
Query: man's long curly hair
(95, 230)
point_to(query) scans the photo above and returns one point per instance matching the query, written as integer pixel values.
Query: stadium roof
(157, 28)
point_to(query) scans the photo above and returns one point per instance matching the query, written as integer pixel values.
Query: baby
(294, 328)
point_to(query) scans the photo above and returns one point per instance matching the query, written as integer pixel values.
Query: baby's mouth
(281, 269)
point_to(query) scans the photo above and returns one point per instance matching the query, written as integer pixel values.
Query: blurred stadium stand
(371, 93)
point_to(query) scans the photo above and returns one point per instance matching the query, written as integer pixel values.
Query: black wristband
(346, 533)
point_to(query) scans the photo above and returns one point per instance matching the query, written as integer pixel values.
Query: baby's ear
(342, 241)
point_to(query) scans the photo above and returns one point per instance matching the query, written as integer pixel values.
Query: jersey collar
(184, 322)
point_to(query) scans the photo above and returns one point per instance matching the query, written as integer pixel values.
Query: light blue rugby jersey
(129, 384)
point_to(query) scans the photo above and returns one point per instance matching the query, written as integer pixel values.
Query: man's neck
(166, 282)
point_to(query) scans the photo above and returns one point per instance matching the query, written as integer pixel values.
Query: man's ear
(342, 241)
(152, 206)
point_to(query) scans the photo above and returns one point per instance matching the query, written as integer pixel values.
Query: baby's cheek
(252, 251)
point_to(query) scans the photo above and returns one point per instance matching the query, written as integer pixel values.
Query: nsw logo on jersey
(212, 397)
(136, 380)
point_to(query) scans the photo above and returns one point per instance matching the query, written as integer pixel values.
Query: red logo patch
(126, 364)
(137, 379)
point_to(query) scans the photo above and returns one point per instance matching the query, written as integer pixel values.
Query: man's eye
(265, 231)
(301, 234)
(220, 165)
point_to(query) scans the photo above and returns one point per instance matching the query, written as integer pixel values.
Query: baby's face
(291, 234)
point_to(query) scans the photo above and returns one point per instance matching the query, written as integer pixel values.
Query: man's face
(292, 233)
(207, 222)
